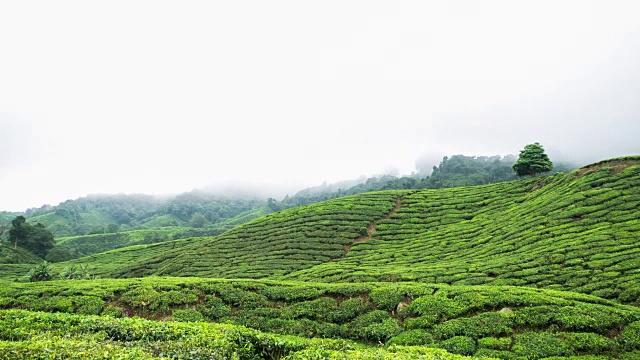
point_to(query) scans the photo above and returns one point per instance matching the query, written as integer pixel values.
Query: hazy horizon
(155, 98)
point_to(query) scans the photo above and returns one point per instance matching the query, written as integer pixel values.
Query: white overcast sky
(163, 97)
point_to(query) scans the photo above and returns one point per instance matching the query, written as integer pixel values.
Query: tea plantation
(541, 268)
(576, 231)
(482, 321)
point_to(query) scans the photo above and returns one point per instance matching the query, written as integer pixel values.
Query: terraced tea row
(276, 244)
(37, 335)
(575, 231)
(492, 321)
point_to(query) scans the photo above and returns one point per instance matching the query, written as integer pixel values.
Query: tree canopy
(532, 161)
(35, 238)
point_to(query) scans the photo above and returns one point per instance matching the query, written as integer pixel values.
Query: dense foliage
(532, 161)
(33, 237)
(502, 322)
(40, 272)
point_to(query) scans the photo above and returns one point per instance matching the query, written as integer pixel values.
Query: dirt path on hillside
(371, 229)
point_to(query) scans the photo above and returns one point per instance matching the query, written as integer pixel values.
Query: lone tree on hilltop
(532, 161)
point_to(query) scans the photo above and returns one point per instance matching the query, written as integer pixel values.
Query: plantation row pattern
(501, 322)
(575, 231)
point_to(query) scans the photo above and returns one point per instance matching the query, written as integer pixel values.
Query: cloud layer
(160, 97)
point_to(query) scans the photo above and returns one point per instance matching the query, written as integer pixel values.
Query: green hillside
(574, 231)
(83, 245)
(492, 321)
(540, 268)
(96, 214)
(18, 256)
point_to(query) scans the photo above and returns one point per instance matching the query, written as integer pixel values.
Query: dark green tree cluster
(460, 170)
(35, 238)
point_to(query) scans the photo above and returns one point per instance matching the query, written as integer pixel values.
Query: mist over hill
(549, 231)
(214, 204)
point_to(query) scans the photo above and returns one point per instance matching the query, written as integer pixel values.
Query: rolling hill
(540, 268)
(575, 231)
(96, 214)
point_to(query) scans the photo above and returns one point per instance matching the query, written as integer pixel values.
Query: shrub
(387, 298)
(534, 316)
(374, 326)
(241, 298)
(88, 305)
(113, 311)
(318, 309)
(75, 272)
(181, 297)
(496, 354)
(349, 310)
(540, 345)
(292, 293)
(142, 298)
(411, 338)
(188, 315)
(436, 306)
(587, 342)
(40, 272)
(461, 345)
(214, 308)
(630, 296)
(421, 322)
(486, 324)
(632, 355)
(630, 337)
(494, 343)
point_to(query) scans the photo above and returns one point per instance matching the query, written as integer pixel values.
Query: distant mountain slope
(574, 231)
(83, 245)
(78, 246)
(96, 214)
(276, 244)
(18, 256)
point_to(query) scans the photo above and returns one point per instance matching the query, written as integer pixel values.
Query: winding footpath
(371, 228)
